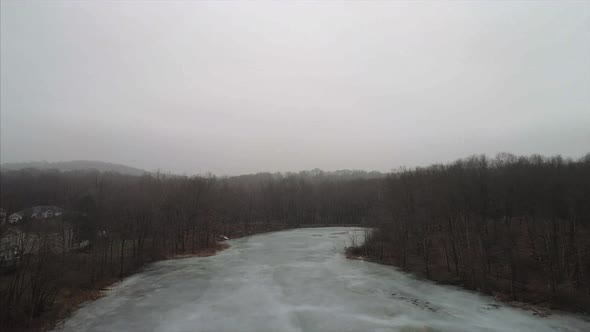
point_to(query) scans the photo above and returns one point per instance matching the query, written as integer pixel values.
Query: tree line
(127, 221)
(516, 227)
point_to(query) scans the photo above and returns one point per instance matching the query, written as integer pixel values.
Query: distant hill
(75, 165)
(313, 175)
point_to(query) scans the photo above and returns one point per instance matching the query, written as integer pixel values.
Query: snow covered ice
(297, 280)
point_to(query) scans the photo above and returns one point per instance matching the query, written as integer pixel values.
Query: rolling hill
(75, 165)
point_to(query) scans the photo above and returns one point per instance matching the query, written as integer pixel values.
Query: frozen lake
(297, 280)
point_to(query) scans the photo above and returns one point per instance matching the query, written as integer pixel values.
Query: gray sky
(245, 87)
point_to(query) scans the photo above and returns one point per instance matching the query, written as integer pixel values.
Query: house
(15, 218)
(10, 246)
(36, 213)
(45, 212)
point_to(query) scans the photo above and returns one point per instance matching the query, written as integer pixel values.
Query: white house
(43, 212)
(47, 214)
(15, 218)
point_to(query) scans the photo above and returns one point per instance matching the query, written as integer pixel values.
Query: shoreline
(75, 298)
(540, 309)
(81, 296)
(72, 299)
(207, 252)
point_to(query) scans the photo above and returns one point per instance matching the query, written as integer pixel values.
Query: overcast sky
(233, 88)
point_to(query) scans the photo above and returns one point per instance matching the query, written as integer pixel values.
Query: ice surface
(296, 280)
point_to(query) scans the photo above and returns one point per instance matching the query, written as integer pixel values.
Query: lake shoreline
(302, 273)
(537, 308)
(73, 299)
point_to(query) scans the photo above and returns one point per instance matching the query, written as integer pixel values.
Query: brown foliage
(515, 226)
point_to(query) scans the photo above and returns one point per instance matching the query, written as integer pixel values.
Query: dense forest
(114, 224)
(514, 226)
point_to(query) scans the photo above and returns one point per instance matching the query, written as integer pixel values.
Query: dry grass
(206, 252)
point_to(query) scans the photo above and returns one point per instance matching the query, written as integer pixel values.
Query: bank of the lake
(297, 280)
(69, 299)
